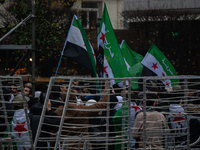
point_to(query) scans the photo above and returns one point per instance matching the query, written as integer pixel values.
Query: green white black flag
(155, 61)
(78, 48)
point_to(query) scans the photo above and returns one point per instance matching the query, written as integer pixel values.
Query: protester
(56, 101)
(13, 90)
(19, 132)
(28, 84)
(74, 114)
(177, 120)
(117, 120)
(155, 125)
(63, 88)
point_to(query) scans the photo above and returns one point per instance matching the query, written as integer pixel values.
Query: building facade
(160, 4)
(93, 9)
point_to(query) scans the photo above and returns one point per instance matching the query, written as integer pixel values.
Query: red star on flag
(20, 127)
(104, 69)
(136, 108)
(178, 119)
(163, 74)
(167, 84)
(154, 66)
(102, 37)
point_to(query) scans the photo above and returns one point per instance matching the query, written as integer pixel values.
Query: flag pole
(58, 65)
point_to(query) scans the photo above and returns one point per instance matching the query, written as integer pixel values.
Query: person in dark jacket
(35, 114)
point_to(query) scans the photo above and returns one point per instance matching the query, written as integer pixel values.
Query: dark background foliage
(174, 32)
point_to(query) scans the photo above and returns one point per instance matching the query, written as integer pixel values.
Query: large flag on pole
(133, 62)
(78, 48)
(114, 65)
(155, 61)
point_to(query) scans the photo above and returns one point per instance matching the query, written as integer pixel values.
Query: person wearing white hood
(177, 120)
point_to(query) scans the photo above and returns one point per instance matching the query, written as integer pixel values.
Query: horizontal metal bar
(15, 47)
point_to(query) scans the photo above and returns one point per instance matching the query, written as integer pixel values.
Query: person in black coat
(34, 116)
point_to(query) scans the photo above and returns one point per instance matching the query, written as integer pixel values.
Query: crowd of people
(110, 113)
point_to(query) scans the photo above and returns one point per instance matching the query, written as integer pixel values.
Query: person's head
(72, 96)
(116, 89)
(18, 102)
(42, 97)
(85, 91)
(119, 89)
(192, 91)
(175, 97)
(13, 88)
(6, 93)
(63, 87)
(75, 83)
(154, 89)
(41, 87)
(28, 85)
(27, 91)
(55, 92)
(151, 99)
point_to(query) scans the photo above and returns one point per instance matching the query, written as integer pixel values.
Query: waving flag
(78, 48)
(155, 61)
(100, 57)
(114, 65)
(20, 130)
(129, 55)
(133, 62)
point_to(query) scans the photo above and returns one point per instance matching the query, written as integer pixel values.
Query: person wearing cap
(18, 102)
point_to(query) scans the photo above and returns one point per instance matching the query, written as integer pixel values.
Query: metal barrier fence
(94, 113)
(15, 130)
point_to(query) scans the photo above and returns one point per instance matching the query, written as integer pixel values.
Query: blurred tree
(53, 19)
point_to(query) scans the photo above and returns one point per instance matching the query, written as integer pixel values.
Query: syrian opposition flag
(114, 65)
(133, 62)
(78, 48)
(20, 130)
(155, 61)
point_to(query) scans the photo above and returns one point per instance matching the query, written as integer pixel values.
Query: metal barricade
(84, 113)
(14, 133)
